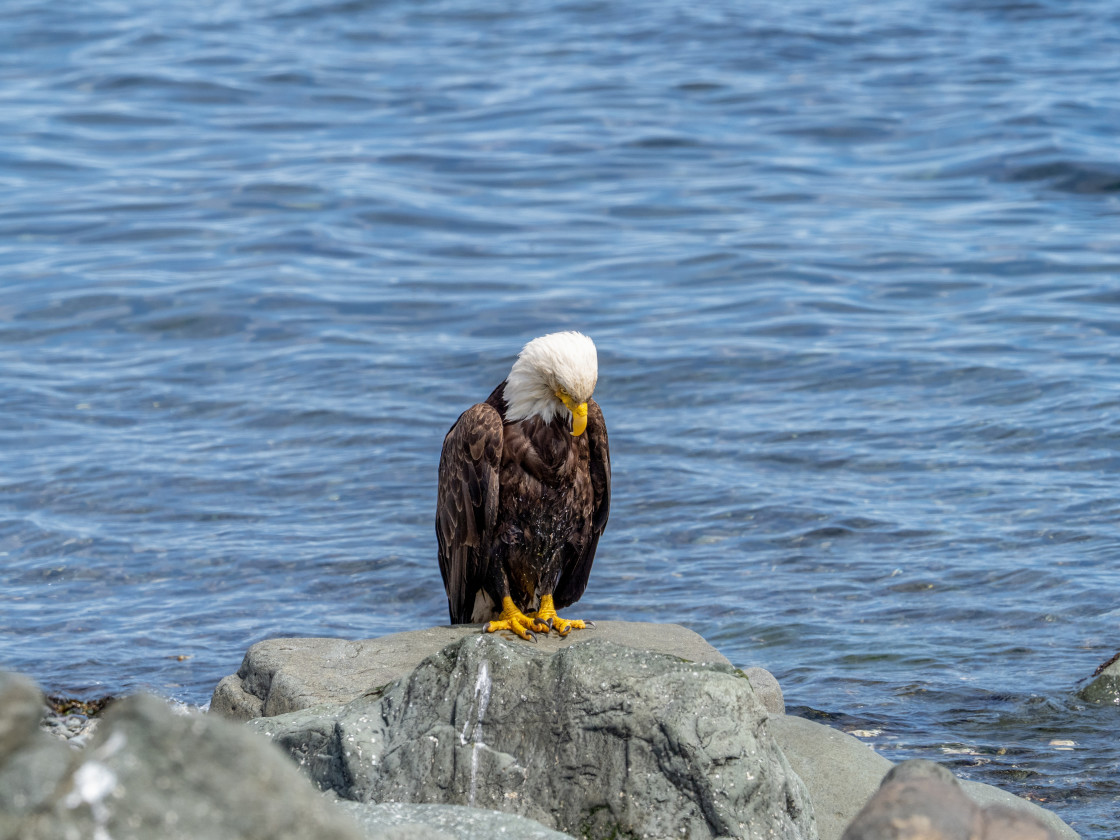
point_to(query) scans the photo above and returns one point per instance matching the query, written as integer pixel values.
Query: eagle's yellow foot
(513, 619)
(547, 614)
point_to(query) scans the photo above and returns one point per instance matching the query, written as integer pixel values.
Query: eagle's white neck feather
(559, 360)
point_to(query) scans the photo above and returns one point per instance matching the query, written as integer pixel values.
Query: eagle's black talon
(549, 623)
(588, 624)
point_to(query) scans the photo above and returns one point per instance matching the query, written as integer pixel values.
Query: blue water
(853, 271)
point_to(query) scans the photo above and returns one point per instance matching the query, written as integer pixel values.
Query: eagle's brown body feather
(521, 508)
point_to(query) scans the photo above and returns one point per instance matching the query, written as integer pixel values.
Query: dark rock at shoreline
(1104, 686)
(597, 740)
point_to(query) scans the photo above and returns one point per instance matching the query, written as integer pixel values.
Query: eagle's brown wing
(467, 505)
(573, 579)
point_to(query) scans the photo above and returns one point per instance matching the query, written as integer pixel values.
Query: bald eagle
(524, 492)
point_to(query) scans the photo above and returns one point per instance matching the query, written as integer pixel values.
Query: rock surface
(404, 821)
(921, 800)
(597, 740)
(285, 675)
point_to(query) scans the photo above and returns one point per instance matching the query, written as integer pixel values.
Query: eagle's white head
(553, 373)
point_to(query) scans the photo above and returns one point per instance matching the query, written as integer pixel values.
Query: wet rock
(597, 740)
(284, 675)
(1104, 687)
(921, 800)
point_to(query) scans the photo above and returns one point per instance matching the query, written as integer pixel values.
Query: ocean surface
(853, 271)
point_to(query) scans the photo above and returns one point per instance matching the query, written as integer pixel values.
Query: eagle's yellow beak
(579, 413)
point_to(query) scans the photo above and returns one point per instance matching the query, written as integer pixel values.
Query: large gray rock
(597, 740)
(284, 675)
(1104, 687)
(921, 800)
(842, 773)
(151, 773)
(405, 821)
(766, 689)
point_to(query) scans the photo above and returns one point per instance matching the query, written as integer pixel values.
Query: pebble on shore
(73, 720)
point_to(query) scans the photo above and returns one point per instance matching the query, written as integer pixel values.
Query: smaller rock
(1105, 684)
(766, 689)
(921, 800)
(918, 800)
(80, 739)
